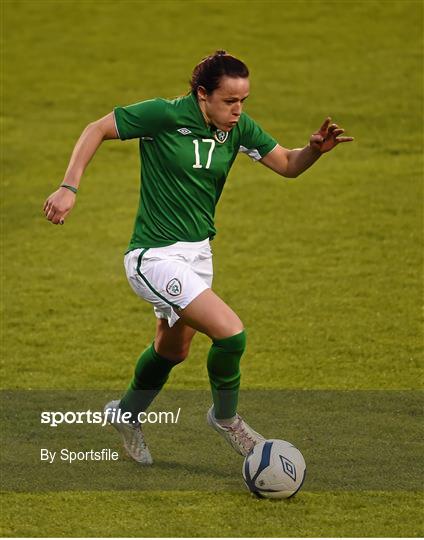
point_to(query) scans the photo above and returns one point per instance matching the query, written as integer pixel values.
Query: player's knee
(179, 355)
(175, 354)
(228, 328)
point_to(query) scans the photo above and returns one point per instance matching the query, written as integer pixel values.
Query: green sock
(224, 373)
(151, 373)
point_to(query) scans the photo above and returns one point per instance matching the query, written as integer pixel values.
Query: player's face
(223, 107)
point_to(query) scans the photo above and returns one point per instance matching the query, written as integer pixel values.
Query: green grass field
(324, 270)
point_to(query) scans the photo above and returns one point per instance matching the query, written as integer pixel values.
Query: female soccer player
(187, 147)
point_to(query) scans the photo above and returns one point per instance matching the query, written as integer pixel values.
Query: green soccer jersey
(184, 164)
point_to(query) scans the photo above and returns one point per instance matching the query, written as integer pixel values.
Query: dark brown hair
(209, 71)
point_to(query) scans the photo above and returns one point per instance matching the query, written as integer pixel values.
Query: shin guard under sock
(224, 373)
(151, 373)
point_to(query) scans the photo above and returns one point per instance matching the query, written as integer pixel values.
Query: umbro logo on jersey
(184, 131)
(221, 136)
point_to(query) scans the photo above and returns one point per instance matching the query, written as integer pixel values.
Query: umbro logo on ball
(174, 287)
(288, 468)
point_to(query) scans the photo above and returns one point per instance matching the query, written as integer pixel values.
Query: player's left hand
(327, 137)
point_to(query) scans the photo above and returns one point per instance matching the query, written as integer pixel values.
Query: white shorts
(170, 277)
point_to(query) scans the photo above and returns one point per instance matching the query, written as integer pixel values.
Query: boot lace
(241, 435)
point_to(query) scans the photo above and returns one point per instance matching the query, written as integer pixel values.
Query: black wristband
(71, 188)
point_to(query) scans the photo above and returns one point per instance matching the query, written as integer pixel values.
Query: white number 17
(198, 165)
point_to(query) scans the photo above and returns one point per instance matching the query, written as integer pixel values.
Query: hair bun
(210, 70)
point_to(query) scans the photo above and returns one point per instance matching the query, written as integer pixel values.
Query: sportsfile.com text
(55, 418)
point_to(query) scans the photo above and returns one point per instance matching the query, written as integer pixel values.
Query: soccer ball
(274, 469)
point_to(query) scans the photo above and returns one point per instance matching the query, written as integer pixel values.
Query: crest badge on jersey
(174, 287)
(221, 136)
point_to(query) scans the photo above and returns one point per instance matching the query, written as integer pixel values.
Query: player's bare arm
(60, 203)
(291, 163)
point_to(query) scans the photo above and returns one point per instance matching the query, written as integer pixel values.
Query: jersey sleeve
(146, 118)
(254, 141)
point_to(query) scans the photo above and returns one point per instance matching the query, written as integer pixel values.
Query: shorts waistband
(180, 246)
(189, 245)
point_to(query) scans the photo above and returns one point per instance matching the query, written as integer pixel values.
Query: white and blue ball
(274, 469)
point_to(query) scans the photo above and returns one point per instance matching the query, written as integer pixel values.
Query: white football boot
(239, 434)
(131, 434)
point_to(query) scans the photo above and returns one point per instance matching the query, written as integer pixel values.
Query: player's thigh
(209, 314)
(173, 343)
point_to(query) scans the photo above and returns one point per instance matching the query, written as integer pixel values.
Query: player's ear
(201, 93)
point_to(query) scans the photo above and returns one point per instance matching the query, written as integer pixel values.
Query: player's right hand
(58, 205)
